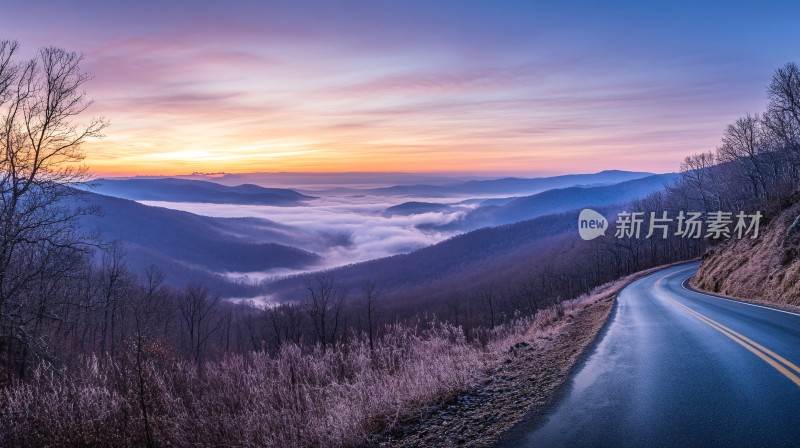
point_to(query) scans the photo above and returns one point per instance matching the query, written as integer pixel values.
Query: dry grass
(297, 398)
(766, 269)
(316, 398)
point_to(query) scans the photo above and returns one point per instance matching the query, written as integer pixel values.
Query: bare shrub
(300, 396)
(316, 397)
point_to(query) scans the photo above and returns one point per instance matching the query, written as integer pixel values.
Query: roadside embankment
(525, 371)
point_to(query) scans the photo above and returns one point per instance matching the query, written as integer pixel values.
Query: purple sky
(467, 86)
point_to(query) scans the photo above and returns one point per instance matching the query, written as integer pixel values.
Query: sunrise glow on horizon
(473, 87)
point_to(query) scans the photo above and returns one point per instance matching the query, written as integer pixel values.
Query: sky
(484, 87)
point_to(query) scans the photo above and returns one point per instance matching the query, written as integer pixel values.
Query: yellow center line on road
(758, 346)
(780, 364)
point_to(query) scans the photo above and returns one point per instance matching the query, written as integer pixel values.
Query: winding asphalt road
(675, 367)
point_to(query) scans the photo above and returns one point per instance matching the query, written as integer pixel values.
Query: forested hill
(192, 247)
(561, 200)
(184, 190)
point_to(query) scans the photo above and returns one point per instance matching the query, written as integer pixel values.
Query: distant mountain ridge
(561, 200)
(415, 208)
(503, 186)
(183, 190)
(446, 186)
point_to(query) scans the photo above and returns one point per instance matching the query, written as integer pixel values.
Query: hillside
(765, 269)
(188, 245)
(561, 200)
(457, 267)
(478, 252)
(183, 190)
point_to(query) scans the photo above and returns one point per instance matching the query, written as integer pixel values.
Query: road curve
(675, 367)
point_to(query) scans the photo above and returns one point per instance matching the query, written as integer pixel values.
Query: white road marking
(683, 285)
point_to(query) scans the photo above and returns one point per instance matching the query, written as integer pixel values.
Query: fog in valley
(341, 229)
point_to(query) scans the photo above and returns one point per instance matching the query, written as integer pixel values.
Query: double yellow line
(781, 364)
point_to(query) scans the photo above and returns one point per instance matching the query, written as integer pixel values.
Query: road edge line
(685, 285)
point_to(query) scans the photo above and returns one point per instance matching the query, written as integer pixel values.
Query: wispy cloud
(410, 86)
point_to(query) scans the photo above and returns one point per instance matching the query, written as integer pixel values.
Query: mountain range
(190, 247)
(183, 190)
(560, 200)
(503, 186)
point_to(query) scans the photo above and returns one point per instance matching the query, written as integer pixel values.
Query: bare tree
(325, 304)
(696, 175)
(489, 301)
(197, 310)
(145, 311)
(40, 154)
(114, 282)
(286, 321)
(784, 93)
(529, 293)
(783, 116)
(743, 146)
(370, 301)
